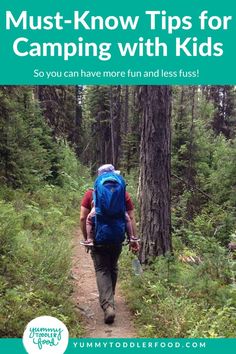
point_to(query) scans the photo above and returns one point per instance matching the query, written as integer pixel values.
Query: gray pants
(105, 259)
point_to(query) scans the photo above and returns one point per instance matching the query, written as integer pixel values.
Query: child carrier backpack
(110, 208)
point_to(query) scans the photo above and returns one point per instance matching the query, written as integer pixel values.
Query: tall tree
(223, 98)
(25, 139)
(97, 127)
(130, 129)
(115, 121)
(155, 171)
(59, 106)
(76, 134)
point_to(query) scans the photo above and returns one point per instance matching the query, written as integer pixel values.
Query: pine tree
(223, 98)
(25, 147)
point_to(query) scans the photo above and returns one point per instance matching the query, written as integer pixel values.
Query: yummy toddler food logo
(45, 334)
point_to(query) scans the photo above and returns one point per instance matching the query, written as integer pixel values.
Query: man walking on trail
(105, 254)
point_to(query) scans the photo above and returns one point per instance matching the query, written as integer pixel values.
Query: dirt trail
(86, 300)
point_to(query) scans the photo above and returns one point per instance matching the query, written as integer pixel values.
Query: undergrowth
(36, 232)
(176, 299)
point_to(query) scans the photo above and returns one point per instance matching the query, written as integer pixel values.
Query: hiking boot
(109, 315)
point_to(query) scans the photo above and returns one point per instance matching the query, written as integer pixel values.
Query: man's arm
(83, 217)
(133, 222)
(134, 245)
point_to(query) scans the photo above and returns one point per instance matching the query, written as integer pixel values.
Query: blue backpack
(110, 207)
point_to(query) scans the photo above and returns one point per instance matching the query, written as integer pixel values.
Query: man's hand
(134, 245)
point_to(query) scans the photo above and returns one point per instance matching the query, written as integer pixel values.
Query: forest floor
(85, 297)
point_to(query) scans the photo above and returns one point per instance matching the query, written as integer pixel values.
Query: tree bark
(155, 171)
(112, 126)
(126, 110)
(115, 121)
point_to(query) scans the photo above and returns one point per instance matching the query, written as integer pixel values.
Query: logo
(45, 335)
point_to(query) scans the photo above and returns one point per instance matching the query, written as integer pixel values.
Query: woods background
(176, 148)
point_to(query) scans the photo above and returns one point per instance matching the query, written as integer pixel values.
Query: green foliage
(130, 138)
(212, 222)
(25, 157)
(205, 203)
(69, 172)
(96, 126)
(176, 299)
(179, 299)
(130, 150)
(35, 263)
(41, 181)
(132, 183)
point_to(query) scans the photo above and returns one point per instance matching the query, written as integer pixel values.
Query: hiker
(105, 255)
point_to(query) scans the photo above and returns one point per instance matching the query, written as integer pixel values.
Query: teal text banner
(134, 345)
(117, 42)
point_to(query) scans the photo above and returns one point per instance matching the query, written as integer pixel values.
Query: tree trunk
(126, 110)
(223, 99)
(115, 120)
(112, 126)
(191, 170)
(77, 129)
(155, 171)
